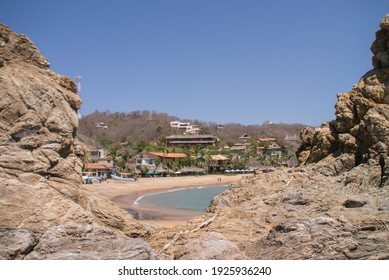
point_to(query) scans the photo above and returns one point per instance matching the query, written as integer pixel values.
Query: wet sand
(124, 194)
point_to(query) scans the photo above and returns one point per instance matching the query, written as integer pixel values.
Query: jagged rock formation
(334, 206)
(44, 212)
(300, 214)
(360, 132)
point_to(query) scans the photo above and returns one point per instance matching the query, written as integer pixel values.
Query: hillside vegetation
(145, 126)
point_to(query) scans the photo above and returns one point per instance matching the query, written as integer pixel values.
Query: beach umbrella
(201, 159)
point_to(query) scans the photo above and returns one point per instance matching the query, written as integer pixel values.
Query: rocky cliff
(360, 132)
(335, 205)
(44, 212)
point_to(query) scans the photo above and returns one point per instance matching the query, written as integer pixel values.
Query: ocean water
(190, 199)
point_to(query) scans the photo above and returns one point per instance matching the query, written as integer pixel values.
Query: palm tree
(123, 158)
(121, 163)
(196, 150)
(125, 155)
(188, 159)
(162, 145)
(208, 160)
(114, 153)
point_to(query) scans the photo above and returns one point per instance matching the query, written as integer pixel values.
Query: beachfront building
(170, 162)
(213, 163)
(145, 164)
(167, 157)
(191, 171)
(145, 161)
(217, 162)
(96, 154)
(99, 169)
(191, 140)
(98, 163)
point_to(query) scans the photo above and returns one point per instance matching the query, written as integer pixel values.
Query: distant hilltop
(99, 127)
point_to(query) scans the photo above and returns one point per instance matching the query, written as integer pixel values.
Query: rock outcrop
(289, 214)
(335, 205)
(44, 212)
(360, 132)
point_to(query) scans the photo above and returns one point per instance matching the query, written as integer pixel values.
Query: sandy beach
(124, 194)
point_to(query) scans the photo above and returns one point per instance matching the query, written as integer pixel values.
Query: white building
(178, 124)
(192, 129)
(101, 125)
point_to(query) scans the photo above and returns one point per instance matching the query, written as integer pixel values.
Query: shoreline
(124, 195)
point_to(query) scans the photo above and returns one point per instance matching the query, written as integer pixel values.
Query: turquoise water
(191, 199)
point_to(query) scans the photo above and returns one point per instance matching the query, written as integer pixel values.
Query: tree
(208, 160)
(188, 160)
(120, 163)
(237, 164)
(196, 150)
(105, 141)
(140, 146)
(253, 149)
(162, 145)
(113, 152)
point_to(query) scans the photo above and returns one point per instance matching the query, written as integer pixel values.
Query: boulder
(210, 246)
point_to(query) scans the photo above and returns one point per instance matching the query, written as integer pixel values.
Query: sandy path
(124, 194)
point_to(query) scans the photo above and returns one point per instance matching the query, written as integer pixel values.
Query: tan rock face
(38, 123)
(361, 127)
(289, 214)
(19, 48)
(44, 212)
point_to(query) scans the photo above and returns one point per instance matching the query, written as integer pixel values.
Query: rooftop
(190, 137)
(267, 139)
(168, 155)
(219, 157)
(95, 166)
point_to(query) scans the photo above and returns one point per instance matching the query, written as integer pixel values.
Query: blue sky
(223, 61)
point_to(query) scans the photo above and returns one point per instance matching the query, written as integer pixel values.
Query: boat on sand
(125, 179)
